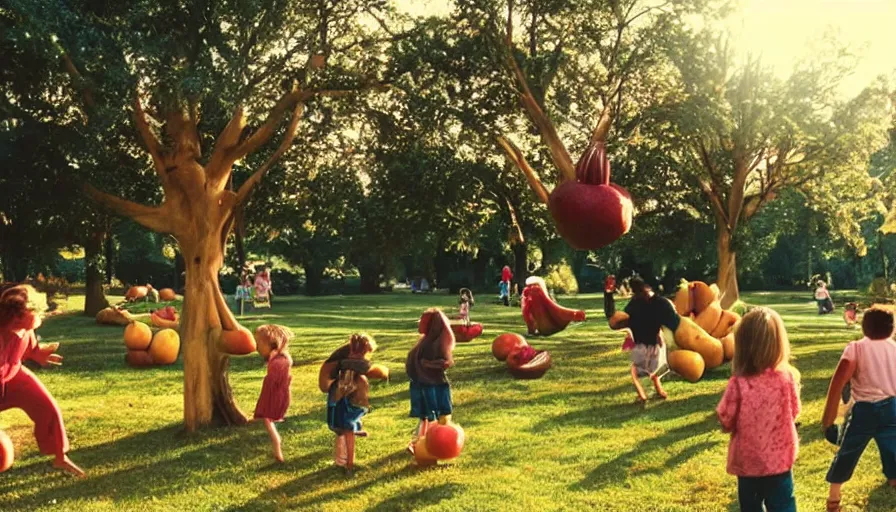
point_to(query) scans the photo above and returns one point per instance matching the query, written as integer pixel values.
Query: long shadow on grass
(882, 498)
(616, 470)
(151, 463)
(293, 491)
(415, 499)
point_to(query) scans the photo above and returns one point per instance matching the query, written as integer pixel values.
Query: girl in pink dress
(275, 393)
(19, 388)
(759, 407)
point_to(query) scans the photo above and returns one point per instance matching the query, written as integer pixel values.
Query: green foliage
(561, 279)
(141, 257)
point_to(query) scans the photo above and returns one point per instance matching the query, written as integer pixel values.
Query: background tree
(744, 136)
(185, 59)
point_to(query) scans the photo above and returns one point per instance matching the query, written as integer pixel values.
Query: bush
(560, 279)
(285, 282)
(879, 288)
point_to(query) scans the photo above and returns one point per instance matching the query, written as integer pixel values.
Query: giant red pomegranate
(445, 441)
(591, 212)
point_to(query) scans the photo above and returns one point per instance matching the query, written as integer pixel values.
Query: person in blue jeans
(867, 366)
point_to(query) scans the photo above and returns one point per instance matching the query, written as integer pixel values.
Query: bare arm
(844, 372)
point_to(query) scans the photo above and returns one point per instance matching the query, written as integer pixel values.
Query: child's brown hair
(276, 336)
(362, 343)
(760, 342)
(877, 324)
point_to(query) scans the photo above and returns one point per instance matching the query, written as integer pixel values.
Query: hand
(46, 355)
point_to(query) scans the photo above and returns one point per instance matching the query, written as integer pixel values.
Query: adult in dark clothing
(645, 314)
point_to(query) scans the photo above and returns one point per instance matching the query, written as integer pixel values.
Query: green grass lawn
(574, 440)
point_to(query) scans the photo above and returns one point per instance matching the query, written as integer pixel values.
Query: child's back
(874, 378)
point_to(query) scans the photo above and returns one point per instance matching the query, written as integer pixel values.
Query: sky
(780, 32)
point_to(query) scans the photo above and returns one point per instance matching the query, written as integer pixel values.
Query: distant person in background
(506, 278)
(823, 298)
(851, 314)
(263, 285)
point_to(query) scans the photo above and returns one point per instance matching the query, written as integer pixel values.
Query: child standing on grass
(426, 367)
(465, 303)
(275, 392)
(348, 395)
(867, 365)
(759, 407)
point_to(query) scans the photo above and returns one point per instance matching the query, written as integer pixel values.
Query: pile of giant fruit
(441, 441)
(542, 315)
(523, 361)
(705, 338)
(148, 349)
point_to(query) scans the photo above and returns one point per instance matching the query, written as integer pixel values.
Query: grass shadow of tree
(171, 449)
(615, 469)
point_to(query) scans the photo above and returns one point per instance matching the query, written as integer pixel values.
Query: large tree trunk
(207, 394)
(727, 276)
(520, 264)
(110, 258)
(93, 261)
(313, 280)
(370, 278)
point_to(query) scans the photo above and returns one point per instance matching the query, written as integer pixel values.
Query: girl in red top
(19, 388)
(759, 407)
(275, 393)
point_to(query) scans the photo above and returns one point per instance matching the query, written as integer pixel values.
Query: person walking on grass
(343, 375)
(867, 366)
(758, 409)
(426, 366)
(275, 390)
(647, 314)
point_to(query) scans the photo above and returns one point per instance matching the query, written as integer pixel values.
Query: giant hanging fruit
(591, 212)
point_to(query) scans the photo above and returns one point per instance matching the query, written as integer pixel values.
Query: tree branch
(155, 218)
(266, 130)
(516, 156)
(559, 153)
(150, 140)
(78, 81)
(715, 201)
(246, 188)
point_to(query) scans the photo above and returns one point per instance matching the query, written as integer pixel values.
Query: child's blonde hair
(760, 342)
(362, 343)
(276, 336)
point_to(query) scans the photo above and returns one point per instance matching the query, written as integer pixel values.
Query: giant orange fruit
(137, 336)
(165, 347)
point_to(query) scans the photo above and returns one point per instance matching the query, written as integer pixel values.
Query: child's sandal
(833, 506)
